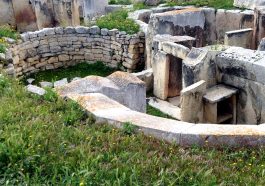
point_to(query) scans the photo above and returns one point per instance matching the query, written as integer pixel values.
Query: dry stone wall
(52, 48)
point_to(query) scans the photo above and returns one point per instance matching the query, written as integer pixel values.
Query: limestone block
(240, 38)
(243, 63)
(227, 20)
(193, 66)
(104, 32)
(64, 57)
(192, 103)
(35, 90)
(94, 8)
(69, 30)
(81, 30)
(210, 25)
(161, 75)
(45, 84)
(147, 77)
(7, 13)
(60, 83)
(94, 30)
(262, 45)
(25, 16)
(249, 4)
(174, 49)
(251, 99)
(120, 86)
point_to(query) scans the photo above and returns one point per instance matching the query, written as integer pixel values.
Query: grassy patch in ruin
(7, 31)
(155, 112)
(120, 2)
(40, 145)
(118, 20)
(218, 4)
(79, 70)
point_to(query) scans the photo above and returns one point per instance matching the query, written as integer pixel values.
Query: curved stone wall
(52, 48)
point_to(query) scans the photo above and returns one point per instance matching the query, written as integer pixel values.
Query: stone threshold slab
(106, 110)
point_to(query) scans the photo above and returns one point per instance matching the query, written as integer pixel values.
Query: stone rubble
(35, 90)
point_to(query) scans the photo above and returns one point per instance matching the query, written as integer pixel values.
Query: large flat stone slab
(123, 87)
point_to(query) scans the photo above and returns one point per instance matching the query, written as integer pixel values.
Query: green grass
(40, 145)
(2, 48)
(120, 2)
(155, 112)
(218, 4)
(79, 70)
(120, 21)
(7, 31)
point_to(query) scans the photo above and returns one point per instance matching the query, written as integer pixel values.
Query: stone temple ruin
(205, 68)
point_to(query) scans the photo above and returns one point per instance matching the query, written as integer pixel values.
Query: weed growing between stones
(155, 112)
(129, 129)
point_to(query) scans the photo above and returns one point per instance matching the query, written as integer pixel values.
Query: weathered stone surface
(45, 84)
(262, 45)
(165, 107)
(244, 63)
(30, 80)
(147, 77)
(120, 86)
(249, 4)
(228, 20)
(175, 50)
(36, 90)
(185, 134)
(191, 102)
(94, 8)
(189, 21)
(243, 69)
(60, 83)
(198, 66)
(240, 38)
(161, 75)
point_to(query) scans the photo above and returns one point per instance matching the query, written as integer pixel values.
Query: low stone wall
(52, 48)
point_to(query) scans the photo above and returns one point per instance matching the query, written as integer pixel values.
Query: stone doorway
(175, 76)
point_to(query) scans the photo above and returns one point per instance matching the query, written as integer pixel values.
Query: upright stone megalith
(94, 8)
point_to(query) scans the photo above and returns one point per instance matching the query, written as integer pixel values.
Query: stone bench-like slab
(185, 134)
(219, 93)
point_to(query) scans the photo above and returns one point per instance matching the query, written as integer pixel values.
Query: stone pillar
(94, 8)
(57, 13)
(192, 102)
(24, 15)
(161, 75)
(7, 13)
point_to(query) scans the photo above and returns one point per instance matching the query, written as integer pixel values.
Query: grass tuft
(120, 21)
(79, 70)
(218, 4)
